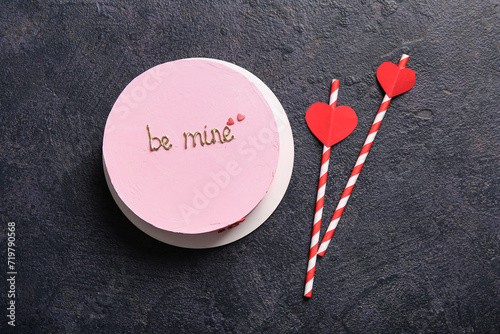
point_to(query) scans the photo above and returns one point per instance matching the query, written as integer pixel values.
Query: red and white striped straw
(320, 199)
(357, 168)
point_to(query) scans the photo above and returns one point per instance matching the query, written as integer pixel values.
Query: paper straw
(357, 168)
(320, 198)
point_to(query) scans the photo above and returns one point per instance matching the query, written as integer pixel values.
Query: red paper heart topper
(331, 125)
(395, 80)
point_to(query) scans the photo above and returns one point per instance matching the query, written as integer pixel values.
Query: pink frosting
(195, 189)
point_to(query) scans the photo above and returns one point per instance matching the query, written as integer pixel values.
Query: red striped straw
(357, 168)
(320, 199)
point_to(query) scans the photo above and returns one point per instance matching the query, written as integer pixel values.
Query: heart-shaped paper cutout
(240, 117)
(230, 121)
(395, 80)
(331, 125)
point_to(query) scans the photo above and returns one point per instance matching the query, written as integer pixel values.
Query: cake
(191, 146)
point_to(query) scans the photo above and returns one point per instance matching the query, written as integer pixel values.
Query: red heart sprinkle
(395, 80)
(240, 117)
(331, 125)
(230, 121)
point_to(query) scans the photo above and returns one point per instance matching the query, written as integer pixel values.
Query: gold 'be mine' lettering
(202, 138)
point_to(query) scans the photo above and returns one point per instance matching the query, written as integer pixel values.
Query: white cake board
(261, 212)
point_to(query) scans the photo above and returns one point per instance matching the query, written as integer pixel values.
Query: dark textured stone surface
(417, 250)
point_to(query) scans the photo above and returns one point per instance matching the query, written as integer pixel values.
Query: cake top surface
(191, 146)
